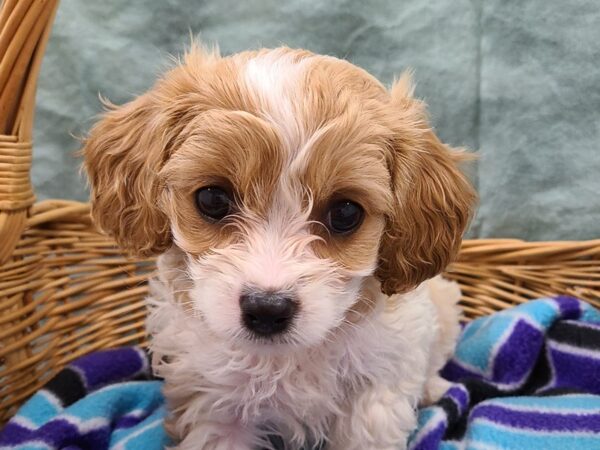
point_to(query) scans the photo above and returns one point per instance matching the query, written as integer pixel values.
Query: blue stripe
(479, 340)
(450, 445)
(28, 447)
(574, 402)
(39, 410)
(536, 420)
(483, 336)
(119, 400)
(483, 432)
(145, 435)
(590, 314)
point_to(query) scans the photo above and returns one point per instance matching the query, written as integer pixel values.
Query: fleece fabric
(524, 378)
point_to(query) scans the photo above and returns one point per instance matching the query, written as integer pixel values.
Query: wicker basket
(66, 290)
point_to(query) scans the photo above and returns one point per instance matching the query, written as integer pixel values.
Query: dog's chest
(313, 386)
(306, 387)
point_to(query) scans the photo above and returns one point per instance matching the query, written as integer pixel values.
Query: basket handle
(24, 31)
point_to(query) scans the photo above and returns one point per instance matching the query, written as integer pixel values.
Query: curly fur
(287, 132)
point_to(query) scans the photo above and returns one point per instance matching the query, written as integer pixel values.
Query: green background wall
(519, 81)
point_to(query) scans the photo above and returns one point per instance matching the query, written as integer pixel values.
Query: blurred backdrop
(518, 81)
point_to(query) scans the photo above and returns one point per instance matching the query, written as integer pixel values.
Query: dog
(302, 212)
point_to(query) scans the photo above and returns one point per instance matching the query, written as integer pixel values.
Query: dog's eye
(344, 217)
(213, 202)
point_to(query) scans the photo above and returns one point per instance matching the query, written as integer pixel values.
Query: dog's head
(288, 179)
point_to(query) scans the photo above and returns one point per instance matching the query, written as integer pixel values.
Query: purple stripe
(60, 433)
(13, 433)
(517, 355)
(570, 307)
(454, 372)
(128, 421)
(460, 397)
(110, 366)
(537, 420)
(432, 440)
(575, 370)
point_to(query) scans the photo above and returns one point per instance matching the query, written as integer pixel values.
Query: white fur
(355, 384)
(274, 79)
(359, 387)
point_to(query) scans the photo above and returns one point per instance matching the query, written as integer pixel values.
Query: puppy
(299, 208)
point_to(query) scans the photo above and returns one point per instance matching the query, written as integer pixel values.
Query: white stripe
(84, 426)
(82, 376)
(24, 422)
(38, 444)
(588, 325)
(550, 410)
(436, 418)
(454, 398)
(566, 348)
(483, 446)
(136, 413)
(460, 445)
(534, 433)
(516, 317)
(144, 358)
(121, 444)
(52, 399)
(552, 377)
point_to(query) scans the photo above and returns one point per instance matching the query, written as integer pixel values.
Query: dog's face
(288, 179)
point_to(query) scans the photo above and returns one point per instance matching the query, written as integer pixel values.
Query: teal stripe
(148, 434)
(427, 420)
(479, 339)
(542, 312)
(29, 447)
(578, 402)
(590, 314)
(118, 400)
(426, 414)
(121, 434)
(153, 438)
(39, 410)
(482, 432)
(476, 344)
(449, 445)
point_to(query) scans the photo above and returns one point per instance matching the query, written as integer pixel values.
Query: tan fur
(201, 124)
(332, 132)
(127, 149)
(231, 148)
(433, 199)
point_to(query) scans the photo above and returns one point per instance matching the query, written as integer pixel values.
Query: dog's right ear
(122, 157)
(126, 149)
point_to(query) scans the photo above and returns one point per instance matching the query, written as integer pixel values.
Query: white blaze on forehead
(275, 79)
(280, 245)
(279, 249)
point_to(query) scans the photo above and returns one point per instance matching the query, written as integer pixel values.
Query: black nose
(267, 313)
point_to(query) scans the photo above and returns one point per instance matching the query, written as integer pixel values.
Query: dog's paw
(435, 388)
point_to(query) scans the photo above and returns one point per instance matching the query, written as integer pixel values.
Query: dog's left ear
(433, 200)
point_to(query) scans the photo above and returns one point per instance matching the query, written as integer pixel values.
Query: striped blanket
(103, 400)
(525, 378)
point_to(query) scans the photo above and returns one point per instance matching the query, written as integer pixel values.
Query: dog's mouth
(284, 341)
